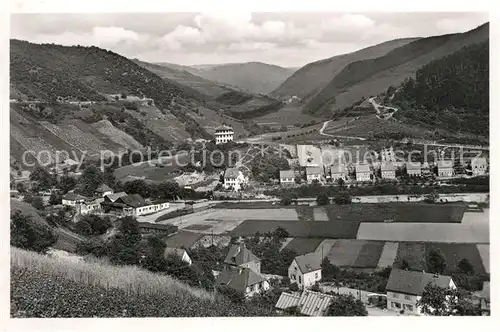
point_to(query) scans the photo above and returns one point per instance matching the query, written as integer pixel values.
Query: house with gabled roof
(179, 252)
(132, 205)
(388, 170)
(363, 172)
(103, 190)
(309, 303)
(314, 173)
(234, 178)
(72, 199)
(405, 288)
(240, 256)
(445, 168)
(339, 171)
(414, 168)
(243, 280)
(305, 270)
(287, 177)
(479, 166)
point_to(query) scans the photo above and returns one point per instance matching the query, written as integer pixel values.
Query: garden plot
(484, 252)
(345, 252)
(369, 255)
(455, 252)
(320, 214)
(388, 255)
(413, 253)
(325, 246)
(303, 246)
(424, 232)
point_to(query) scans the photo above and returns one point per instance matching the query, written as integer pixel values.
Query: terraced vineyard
(116, 135)
(41, 149)
(75, 137)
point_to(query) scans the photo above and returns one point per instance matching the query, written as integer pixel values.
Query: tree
(329, 271)
(83, 227)
(279, 233)
(431, 197)
(30, 235)
(28, 198)
(55, 199)
(91, 178)
(124, 246)
(346, 305)
(37, 203)
(42, 177)
(97, 224)
(341, 182)
(342, 198)
(323, 199)
(287, 199)
(294, 287)
(436, 261)
(316, 288)
(123, 95)
(437, 301)
(66, 183)
(94, 246)
(465, 266)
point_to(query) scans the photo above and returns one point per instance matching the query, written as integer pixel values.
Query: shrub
(323, 199)
(27, 234)
(294, 287)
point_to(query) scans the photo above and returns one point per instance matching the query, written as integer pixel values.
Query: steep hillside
(204, 87)
(253, 77)
(309, 79)
(373, 76)
(49, 71)
(450, 93)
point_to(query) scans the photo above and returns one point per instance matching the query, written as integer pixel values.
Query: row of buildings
(367, 172)
(107, 201)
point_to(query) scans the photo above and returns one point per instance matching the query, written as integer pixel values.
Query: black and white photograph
(248, 164)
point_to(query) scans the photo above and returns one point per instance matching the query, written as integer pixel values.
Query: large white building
(445, 168)
(223, 134)
(314, 173)
(405, 288)
(363, 172)
(234, 178)
(305, 270)
(387, 170)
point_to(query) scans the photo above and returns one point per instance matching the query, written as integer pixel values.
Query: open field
(455, 252)
(325, 246)
(369, 255)
(151, 171)
(224, 220)
(415, 254)
(296, 228)
(424, 232)
(344, 253)
(484, 252)
(388, 255)
(303, 245)
(289, 115)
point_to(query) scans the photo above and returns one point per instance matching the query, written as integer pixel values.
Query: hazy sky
(286, 39)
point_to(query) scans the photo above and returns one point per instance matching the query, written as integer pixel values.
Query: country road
(378, 106)
(325, 124)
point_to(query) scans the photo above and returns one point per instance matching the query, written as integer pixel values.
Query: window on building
(293, 276)
(408, 307)
(316, 275)
(300, 279)
(395, 295)
(407, 297)
(397, 305)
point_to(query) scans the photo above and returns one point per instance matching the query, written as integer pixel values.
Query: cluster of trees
(92, 225)
(259, 111)
(439, 301)
(163, 190)
(451, 92)
(27, 234)
(267, 247)
(267, 167)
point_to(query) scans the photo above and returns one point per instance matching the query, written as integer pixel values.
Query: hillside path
(325, 125)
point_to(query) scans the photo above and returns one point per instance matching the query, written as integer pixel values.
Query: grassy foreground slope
(42, 286)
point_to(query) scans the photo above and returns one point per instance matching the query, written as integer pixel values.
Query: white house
(223, 134)
(339, 171)
(363, 172)
(405, 288)
(309, 303)
(243, 280)
(103, 190)
(234, 178)
(445, 168)
(314, 173)
(181, 253)
(305, 270)
(387, 170)
(287, 177)
(479, 166)
(72, 199)
(414, 169)
(132, 205)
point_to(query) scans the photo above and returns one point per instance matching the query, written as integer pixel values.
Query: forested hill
(451, 92)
